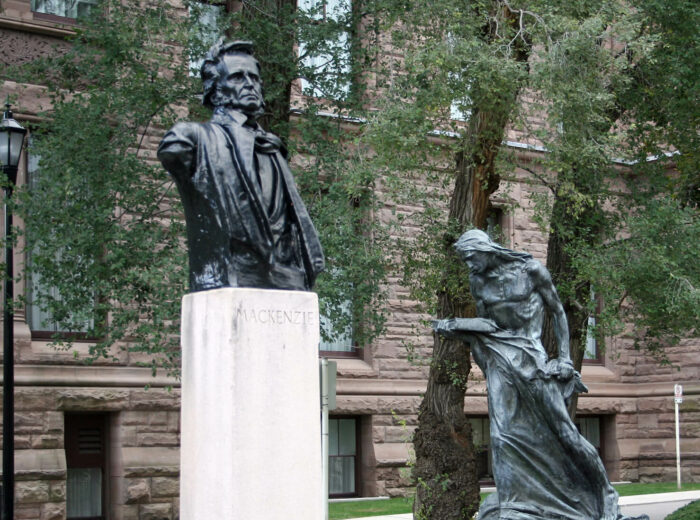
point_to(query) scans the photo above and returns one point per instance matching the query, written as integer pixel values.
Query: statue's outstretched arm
(463, 328)
(562, 367)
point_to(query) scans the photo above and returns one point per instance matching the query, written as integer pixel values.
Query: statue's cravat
(266, 142)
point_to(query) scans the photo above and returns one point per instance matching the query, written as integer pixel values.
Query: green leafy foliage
(102, 223)
(104, 228)
(651, 275)
(605, 86)
(571, 79)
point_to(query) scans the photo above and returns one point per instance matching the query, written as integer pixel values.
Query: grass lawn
(689, 512)
(626, 490)
(394, 506)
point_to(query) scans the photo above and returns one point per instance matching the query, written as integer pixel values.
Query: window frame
(42, 334)
(73, 421)
(349, 354)
(357, 457)
(599, 359)
(56, 18)
(308, 89)
(600, 418)
(487, 479)
(354, 350)
(226, 8)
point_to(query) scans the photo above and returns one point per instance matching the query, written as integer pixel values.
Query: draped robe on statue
(543, 468)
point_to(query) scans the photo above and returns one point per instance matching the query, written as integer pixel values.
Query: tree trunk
(581, 228)
(445, 470)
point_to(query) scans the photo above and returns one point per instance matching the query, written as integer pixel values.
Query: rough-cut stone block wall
(40, 496)
(647, 436)
(143, 443)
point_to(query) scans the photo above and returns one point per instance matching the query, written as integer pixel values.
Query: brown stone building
(95, 438)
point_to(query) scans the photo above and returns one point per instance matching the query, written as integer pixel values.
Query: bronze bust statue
(246, 223)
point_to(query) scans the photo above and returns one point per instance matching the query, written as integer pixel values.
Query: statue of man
(246, 223)
(542, 466)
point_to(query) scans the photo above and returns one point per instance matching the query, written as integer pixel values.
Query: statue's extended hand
(445, 327)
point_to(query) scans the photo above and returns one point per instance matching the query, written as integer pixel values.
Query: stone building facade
(118, 418)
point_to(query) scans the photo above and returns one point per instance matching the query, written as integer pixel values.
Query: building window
(481, 437)
(86, 460)
(589, 428)
(64, 8)
(592, 354)
(42, 322)
(342, 456)
(209, 19)
(325, 61)
(495, 224)
(337, 334)
(458, 110)
(340, 338)
(460, 84)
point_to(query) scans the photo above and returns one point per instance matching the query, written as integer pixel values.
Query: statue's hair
(477, 240)
(210, 68)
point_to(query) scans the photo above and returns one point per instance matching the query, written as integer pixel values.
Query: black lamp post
(11, 141)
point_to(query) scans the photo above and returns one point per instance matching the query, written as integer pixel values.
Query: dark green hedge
(689, 512)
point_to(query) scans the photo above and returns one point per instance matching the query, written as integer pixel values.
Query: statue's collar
(265, 142)
(225, 116)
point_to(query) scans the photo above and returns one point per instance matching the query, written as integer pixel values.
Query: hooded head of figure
(478, 250)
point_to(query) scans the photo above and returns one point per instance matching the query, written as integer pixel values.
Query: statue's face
(239, 83)
(478, 261)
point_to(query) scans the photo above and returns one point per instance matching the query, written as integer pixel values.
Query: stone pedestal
(251, 440)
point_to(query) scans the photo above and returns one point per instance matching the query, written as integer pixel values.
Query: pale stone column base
(251, 439)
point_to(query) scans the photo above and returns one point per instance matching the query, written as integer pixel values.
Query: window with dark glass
(482, 447)
(42, 322)
(342, 456)
(589, 427)
(64, 8)
(495, 218)
(86, 460)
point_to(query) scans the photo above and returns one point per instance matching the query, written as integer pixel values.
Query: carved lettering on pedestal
(276, 316)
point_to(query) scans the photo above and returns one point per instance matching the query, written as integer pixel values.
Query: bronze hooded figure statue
(543, 467)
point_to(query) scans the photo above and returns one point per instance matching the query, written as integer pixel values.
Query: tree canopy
(104, 229)
(587, 86)
(411, 104)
